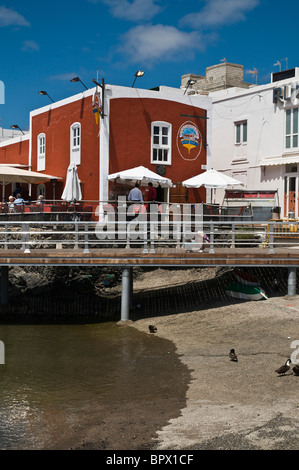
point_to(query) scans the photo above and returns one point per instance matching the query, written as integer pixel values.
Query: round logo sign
(189, 141)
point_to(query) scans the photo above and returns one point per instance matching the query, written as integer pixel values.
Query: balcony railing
(94, 225)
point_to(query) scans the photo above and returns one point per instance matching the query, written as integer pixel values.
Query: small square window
(161, 142)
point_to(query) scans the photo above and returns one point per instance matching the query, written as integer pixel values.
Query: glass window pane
(164, 130)
(164, 140)
(295, 120)
(245, 132)
(238, 133)
(156, 139)
(160, 155)
(155, 154)
(288, 142)
(165, 155)
(295, 141)
(288, 121)
(156, 130)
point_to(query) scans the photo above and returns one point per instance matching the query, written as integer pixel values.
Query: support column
(131, 286)
(292, 281)
(125, 294)
(4, 285)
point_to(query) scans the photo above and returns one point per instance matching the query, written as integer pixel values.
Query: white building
(6, 134)
(254, 130)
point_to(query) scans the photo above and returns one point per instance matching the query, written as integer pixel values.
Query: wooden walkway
(165, 257)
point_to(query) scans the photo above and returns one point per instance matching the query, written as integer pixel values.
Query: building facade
(255, 131)
(163, 130)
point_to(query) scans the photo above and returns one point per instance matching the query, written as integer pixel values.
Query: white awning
(279, 160)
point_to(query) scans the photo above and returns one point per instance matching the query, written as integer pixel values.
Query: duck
(283, 369)
(152, 329)
(296, 369)
(233, 356)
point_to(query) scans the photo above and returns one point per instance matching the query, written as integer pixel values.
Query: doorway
(290, 195)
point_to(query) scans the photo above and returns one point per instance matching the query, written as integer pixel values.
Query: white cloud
(30, 46)
(9, 17)
(152, 43)
(64, 76)
(136, 10)
(219, 12)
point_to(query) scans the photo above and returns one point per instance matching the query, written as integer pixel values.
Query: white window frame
(291, 129)
(75, 143)
(241, 137)
(160, 147)
(41, 152)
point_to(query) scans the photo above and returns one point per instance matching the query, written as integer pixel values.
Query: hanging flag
(96, 106)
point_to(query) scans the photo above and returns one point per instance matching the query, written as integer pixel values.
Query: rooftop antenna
(286, 61)
(254, 72)
(279, 64)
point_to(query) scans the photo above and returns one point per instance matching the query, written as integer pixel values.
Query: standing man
(135, 195)
(152, 193)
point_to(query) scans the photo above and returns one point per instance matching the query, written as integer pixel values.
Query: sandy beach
(231, 405)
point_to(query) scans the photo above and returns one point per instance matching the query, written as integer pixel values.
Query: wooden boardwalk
(164, 257)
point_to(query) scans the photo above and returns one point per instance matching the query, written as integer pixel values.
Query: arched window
(75, 156)
(41, 190)
(161, 143)
(41, 152)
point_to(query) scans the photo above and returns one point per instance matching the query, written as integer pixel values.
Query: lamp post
(44, 93)
(77, 79)
(15, 126)
(189, 83)
(139, 73)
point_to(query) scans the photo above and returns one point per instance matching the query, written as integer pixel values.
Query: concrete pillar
(4, 285)
(131, 286)
(125, 294)
(291, 281)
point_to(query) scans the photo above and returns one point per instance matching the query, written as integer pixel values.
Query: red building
(163, 130)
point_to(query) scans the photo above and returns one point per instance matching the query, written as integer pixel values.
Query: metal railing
(165, 231)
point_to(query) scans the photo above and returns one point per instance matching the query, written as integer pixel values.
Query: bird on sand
(233, 356)
(296, 369)
(283, 369)
(152, 329)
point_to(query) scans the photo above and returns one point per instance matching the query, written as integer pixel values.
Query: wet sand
(234, 405)
(227, 405)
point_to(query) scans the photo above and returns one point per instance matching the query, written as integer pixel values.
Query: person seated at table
(40, 200)
(19, 201)
(11, 204)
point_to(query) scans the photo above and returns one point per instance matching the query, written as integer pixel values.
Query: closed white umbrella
(211, 179)
(141, 174)
(72, 189)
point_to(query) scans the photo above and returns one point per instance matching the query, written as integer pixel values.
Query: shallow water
(57, 378)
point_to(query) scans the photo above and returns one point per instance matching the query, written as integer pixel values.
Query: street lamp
(139, 73)
(15, 126)
(189, 83)
(77, 79)
(44, 93)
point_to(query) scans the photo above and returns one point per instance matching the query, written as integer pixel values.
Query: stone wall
(217, 77)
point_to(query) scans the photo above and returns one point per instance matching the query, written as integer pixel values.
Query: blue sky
(45, 44)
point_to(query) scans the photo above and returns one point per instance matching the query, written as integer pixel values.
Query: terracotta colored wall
(130, 137)
(56, 125)
(15, 153)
